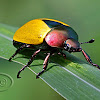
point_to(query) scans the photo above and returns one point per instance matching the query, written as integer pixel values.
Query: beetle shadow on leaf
(66, 61)
(57, 59)
(27, 53)
(50, 67)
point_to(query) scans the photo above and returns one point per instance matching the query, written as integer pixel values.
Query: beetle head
(72, 45)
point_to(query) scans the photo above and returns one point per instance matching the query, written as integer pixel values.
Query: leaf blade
(71, 78)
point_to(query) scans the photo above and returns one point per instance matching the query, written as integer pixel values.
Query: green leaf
(72, 78)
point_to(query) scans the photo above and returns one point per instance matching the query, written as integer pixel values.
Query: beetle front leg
(30, 61)
(45, 64)
(89, 60)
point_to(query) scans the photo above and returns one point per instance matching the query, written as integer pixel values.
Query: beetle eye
(68, 45)
(72, 43)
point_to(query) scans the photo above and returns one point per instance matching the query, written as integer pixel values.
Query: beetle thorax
(56, 38)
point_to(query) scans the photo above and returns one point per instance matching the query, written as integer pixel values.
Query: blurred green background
(82, 15)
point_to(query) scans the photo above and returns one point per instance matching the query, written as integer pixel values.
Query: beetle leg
(61, 53)
(18, 50)
(30, 61)
(45, 64)
(89, 60)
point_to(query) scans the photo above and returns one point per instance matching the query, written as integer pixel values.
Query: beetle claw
(18, 77)
(96, 66)
(10, 59)
(37, 76)
(18, 74)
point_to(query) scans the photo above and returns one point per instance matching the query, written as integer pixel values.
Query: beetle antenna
(91, 41)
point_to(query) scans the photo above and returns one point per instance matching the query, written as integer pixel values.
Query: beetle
(47, 35)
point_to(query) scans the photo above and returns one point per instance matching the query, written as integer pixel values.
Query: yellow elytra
(34, 31)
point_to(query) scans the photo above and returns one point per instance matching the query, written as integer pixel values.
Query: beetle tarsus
(96, 65)
(10, 59)
(89, 60)
(17, 51)
(18, 75)
(37, 76)
(45, 64)
(21, 71)
(30, 61)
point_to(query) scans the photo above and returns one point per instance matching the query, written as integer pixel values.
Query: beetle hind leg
(30, 61)
(45, 64)
(89, 60)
